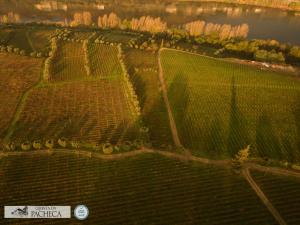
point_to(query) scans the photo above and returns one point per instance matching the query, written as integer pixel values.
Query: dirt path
(167, 103)
(263, 197)
(273, 170)
(21, 104)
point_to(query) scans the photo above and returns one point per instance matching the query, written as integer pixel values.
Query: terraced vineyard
(143, 69)
(220, 107)
(93, 111)
(283, 192)
(69, 62)
(15, 80)
(104, 61)
(148, 189)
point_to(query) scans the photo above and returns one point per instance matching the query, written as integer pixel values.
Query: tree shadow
(179, 102)
(267, 144)
(215, 138)
(238, 135)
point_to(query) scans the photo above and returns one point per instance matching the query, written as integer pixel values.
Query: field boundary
(21, 103)
(226, 163)
(263, 197)
(167, 103)
(256, 64)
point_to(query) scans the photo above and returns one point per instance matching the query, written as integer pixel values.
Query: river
(264, 23)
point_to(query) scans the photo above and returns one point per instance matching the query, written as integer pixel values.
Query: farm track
(173, 155)
(263, 197)
(167, 103)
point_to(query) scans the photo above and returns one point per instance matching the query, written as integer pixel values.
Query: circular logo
(81, 212)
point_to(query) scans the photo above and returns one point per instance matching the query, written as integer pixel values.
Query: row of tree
(50, 59)
(10, 17)
(144, 23)
(225, 31)
(86, 57)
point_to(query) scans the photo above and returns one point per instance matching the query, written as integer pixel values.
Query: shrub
(126, 146)
(107, 148)
(62, 142)
(49, 144)
(75, 144)
(26, 146)
(10, 146)
(37, 145)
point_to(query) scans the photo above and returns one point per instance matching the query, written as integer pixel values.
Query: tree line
(225, 31)
(10, 17)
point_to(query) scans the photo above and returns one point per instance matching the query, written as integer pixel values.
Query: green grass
(283, 192)
(143, 70)
(220, 107)
(104, 61)
(148, 189)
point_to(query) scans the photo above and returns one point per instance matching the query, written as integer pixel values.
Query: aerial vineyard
(220, 107)
(104, 61)
(143, 70)
(69, 62)
(20, 40)
(283, 192)
(87, 111)
(148, 189)
(5, 35)
(119, 36)
(17, 75)
(39, 39)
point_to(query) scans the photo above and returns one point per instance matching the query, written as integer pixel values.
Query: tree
(87, 18)
(241, 157)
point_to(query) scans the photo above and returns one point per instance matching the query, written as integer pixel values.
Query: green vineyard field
(148, 189)
(283, 192)
(143, 70)
(220, 107)
(104, 61)
(17, 75)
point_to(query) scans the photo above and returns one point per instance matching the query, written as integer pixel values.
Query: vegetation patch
(143, 70)
(149, 189)
(221, 107)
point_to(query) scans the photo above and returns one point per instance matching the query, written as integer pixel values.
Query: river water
(264, 23)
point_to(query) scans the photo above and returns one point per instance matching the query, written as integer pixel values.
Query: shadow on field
(237, 136)
(179, 100)
(215, 138)
(267, 144)
(296, 112)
